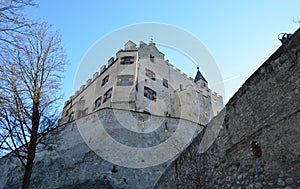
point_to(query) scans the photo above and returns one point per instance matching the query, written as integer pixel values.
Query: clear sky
(240, 35)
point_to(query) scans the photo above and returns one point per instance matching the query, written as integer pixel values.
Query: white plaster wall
(200, 100)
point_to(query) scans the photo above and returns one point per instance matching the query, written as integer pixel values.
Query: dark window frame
(105, 80)
(126, 60)
(149, 93)
(107, 95)
(98, 102)
(165, 83)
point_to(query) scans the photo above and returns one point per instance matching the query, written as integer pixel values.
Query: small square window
(105, 80)
(98, 102)
(127, 60)
(149, 93)
(107, 95)
(150, 74)
(165, 83)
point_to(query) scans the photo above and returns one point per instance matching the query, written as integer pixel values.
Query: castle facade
(140, 79)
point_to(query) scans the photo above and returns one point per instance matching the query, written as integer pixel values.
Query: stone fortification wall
(67, 160)
(257, 144)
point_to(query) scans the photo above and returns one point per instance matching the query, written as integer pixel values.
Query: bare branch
(29, 84)
(13, 24)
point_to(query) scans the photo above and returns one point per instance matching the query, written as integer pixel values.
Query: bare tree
(13, 23)
(30, 79)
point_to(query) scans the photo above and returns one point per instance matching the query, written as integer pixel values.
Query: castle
(140, 79)
(256, 145)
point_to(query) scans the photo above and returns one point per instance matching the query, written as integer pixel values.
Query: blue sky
(240, 35)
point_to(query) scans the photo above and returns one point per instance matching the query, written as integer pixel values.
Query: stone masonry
(257, 144)
(67, 161)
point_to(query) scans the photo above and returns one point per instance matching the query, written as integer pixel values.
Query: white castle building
(140, 79)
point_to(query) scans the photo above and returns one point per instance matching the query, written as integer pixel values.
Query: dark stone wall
(257, 145)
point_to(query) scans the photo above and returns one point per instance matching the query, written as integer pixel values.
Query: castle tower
(200, 79)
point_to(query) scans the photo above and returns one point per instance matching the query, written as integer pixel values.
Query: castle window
(150, 74)
(151, 58)
(105, 80)
(71, 117)
(125, 80)
(149, 93)
(127, 60)
(107, 95)
(165, 83)
(98, 102)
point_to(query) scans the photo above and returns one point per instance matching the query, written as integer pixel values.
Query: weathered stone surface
(289, 180)
(258, 185)
(280, 182)
(68, 162)
(259, 138)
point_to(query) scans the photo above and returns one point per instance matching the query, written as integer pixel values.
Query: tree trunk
(27, 173)
(32, 145)
(29, 162)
